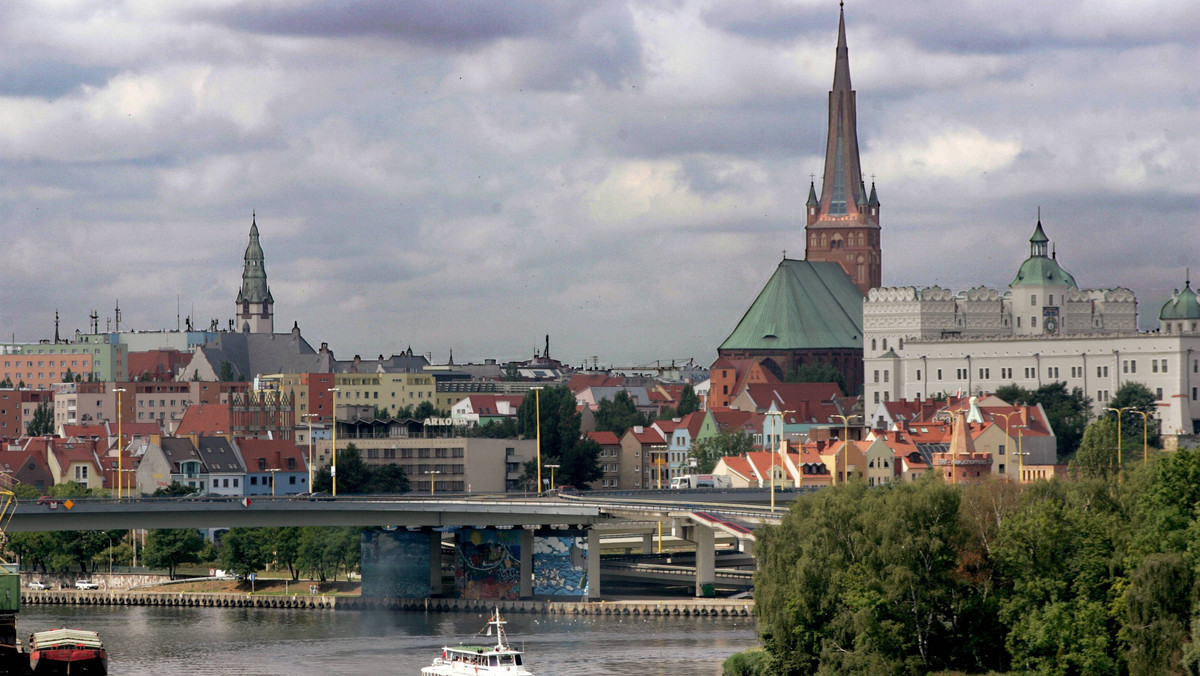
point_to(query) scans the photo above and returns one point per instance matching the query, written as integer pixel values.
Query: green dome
(1042, 271)
(1183, 305)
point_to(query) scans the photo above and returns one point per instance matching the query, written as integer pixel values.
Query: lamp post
(1145, 434)
(273, 475)
(310, 417)
(333, 464)
(537, 395)
(552, 468)
(119, 391)
(845, 440)
(1008, 433)
(1119, 412)
(779, 415)
(432, 473)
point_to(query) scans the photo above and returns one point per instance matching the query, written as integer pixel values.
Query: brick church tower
(843, 225)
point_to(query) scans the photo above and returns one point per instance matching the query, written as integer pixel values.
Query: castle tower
(255, 306)
(843, 224)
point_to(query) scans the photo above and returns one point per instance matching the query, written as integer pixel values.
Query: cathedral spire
(841, 190)
(842, 225)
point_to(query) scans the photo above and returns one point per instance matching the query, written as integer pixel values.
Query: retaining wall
(666, 608)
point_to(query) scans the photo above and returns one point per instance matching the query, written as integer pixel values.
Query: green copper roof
(805, 304)
(1041, 271)
(1183, 305)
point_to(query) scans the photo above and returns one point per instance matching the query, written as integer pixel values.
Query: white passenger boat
(484, 660)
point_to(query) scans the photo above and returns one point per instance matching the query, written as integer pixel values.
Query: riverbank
(700, 608)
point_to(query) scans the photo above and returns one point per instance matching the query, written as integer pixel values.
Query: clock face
(1051, 325)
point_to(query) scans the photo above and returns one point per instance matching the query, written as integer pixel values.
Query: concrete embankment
(666, 608)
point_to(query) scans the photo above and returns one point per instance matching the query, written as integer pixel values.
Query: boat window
(492, 661)
(518, 659)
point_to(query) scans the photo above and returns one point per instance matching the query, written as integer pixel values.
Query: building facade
(924, 342)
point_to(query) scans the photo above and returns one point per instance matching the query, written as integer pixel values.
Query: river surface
(260, 642)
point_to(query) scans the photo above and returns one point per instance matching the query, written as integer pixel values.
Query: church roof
(1183, 305)
(254, 272)
(805, 304)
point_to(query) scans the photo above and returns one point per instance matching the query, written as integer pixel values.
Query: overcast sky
(623, 176)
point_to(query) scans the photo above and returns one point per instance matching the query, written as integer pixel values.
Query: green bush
(752, 662)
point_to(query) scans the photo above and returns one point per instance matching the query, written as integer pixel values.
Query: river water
(261, 642)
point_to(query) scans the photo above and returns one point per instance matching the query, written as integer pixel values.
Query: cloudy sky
(623, 175)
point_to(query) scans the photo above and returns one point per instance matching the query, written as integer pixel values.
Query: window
(1158, 394)
(1051, 300)
(253, 481)
(939, 374)
(1133, 366)
(1164, 366)
(918, 375)
(1000, 451)
(1033, 299)
(877, 397)
(81, 473)
(876, 376)
(1033, 322)
(885, 376)
(1154, 366)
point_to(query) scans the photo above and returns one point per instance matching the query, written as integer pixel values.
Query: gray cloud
(621, 175)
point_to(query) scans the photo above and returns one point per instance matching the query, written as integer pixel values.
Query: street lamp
(119, 391)
(333, 464)
(431, 474)
(537, 395)
(1119, 412)
(273, 471)
(845, 440)
(779, 415)
(1008, 426)
(552, 468)
(1145, 434)
(310, 417)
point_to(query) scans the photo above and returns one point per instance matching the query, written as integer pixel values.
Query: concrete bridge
(540, 547)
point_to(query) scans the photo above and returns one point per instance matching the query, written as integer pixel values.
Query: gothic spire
(254, 272)
(842, 188)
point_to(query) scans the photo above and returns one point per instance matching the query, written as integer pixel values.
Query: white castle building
(921, 342)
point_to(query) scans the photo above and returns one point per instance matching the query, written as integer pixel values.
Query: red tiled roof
(648, 435)
(89, 431)
(274, 452)
(582, 381)
(808, 400)
(604, 438)
(205, 420)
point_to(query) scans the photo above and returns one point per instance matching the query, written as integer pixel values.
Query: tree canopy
(708, 452)
(355, 477)
(41, 423)
(170, 547)
(619, 414)
(1095, 575)
(817, 372)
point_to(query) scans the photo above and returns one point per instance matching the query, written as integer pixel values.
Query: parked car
(38, 586)
(86, 584)
(48, 501)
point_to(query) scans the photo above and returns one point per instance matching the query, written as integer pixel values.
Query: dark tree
(246, 550)
(1137, 397)
(580, 465)
(168, 548)
(689, 401)
(174, 490)
(619, 414)
(560, 420)
(817, 372)
(42, 421)
(355, 477)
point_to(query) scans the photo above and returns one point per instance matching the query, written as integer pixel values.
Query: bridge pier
(593, 563)
(648, 543)
(706, 555)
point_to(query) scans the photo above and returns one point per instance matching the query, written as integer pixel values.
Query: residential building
(609, 460)
(273, 467)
